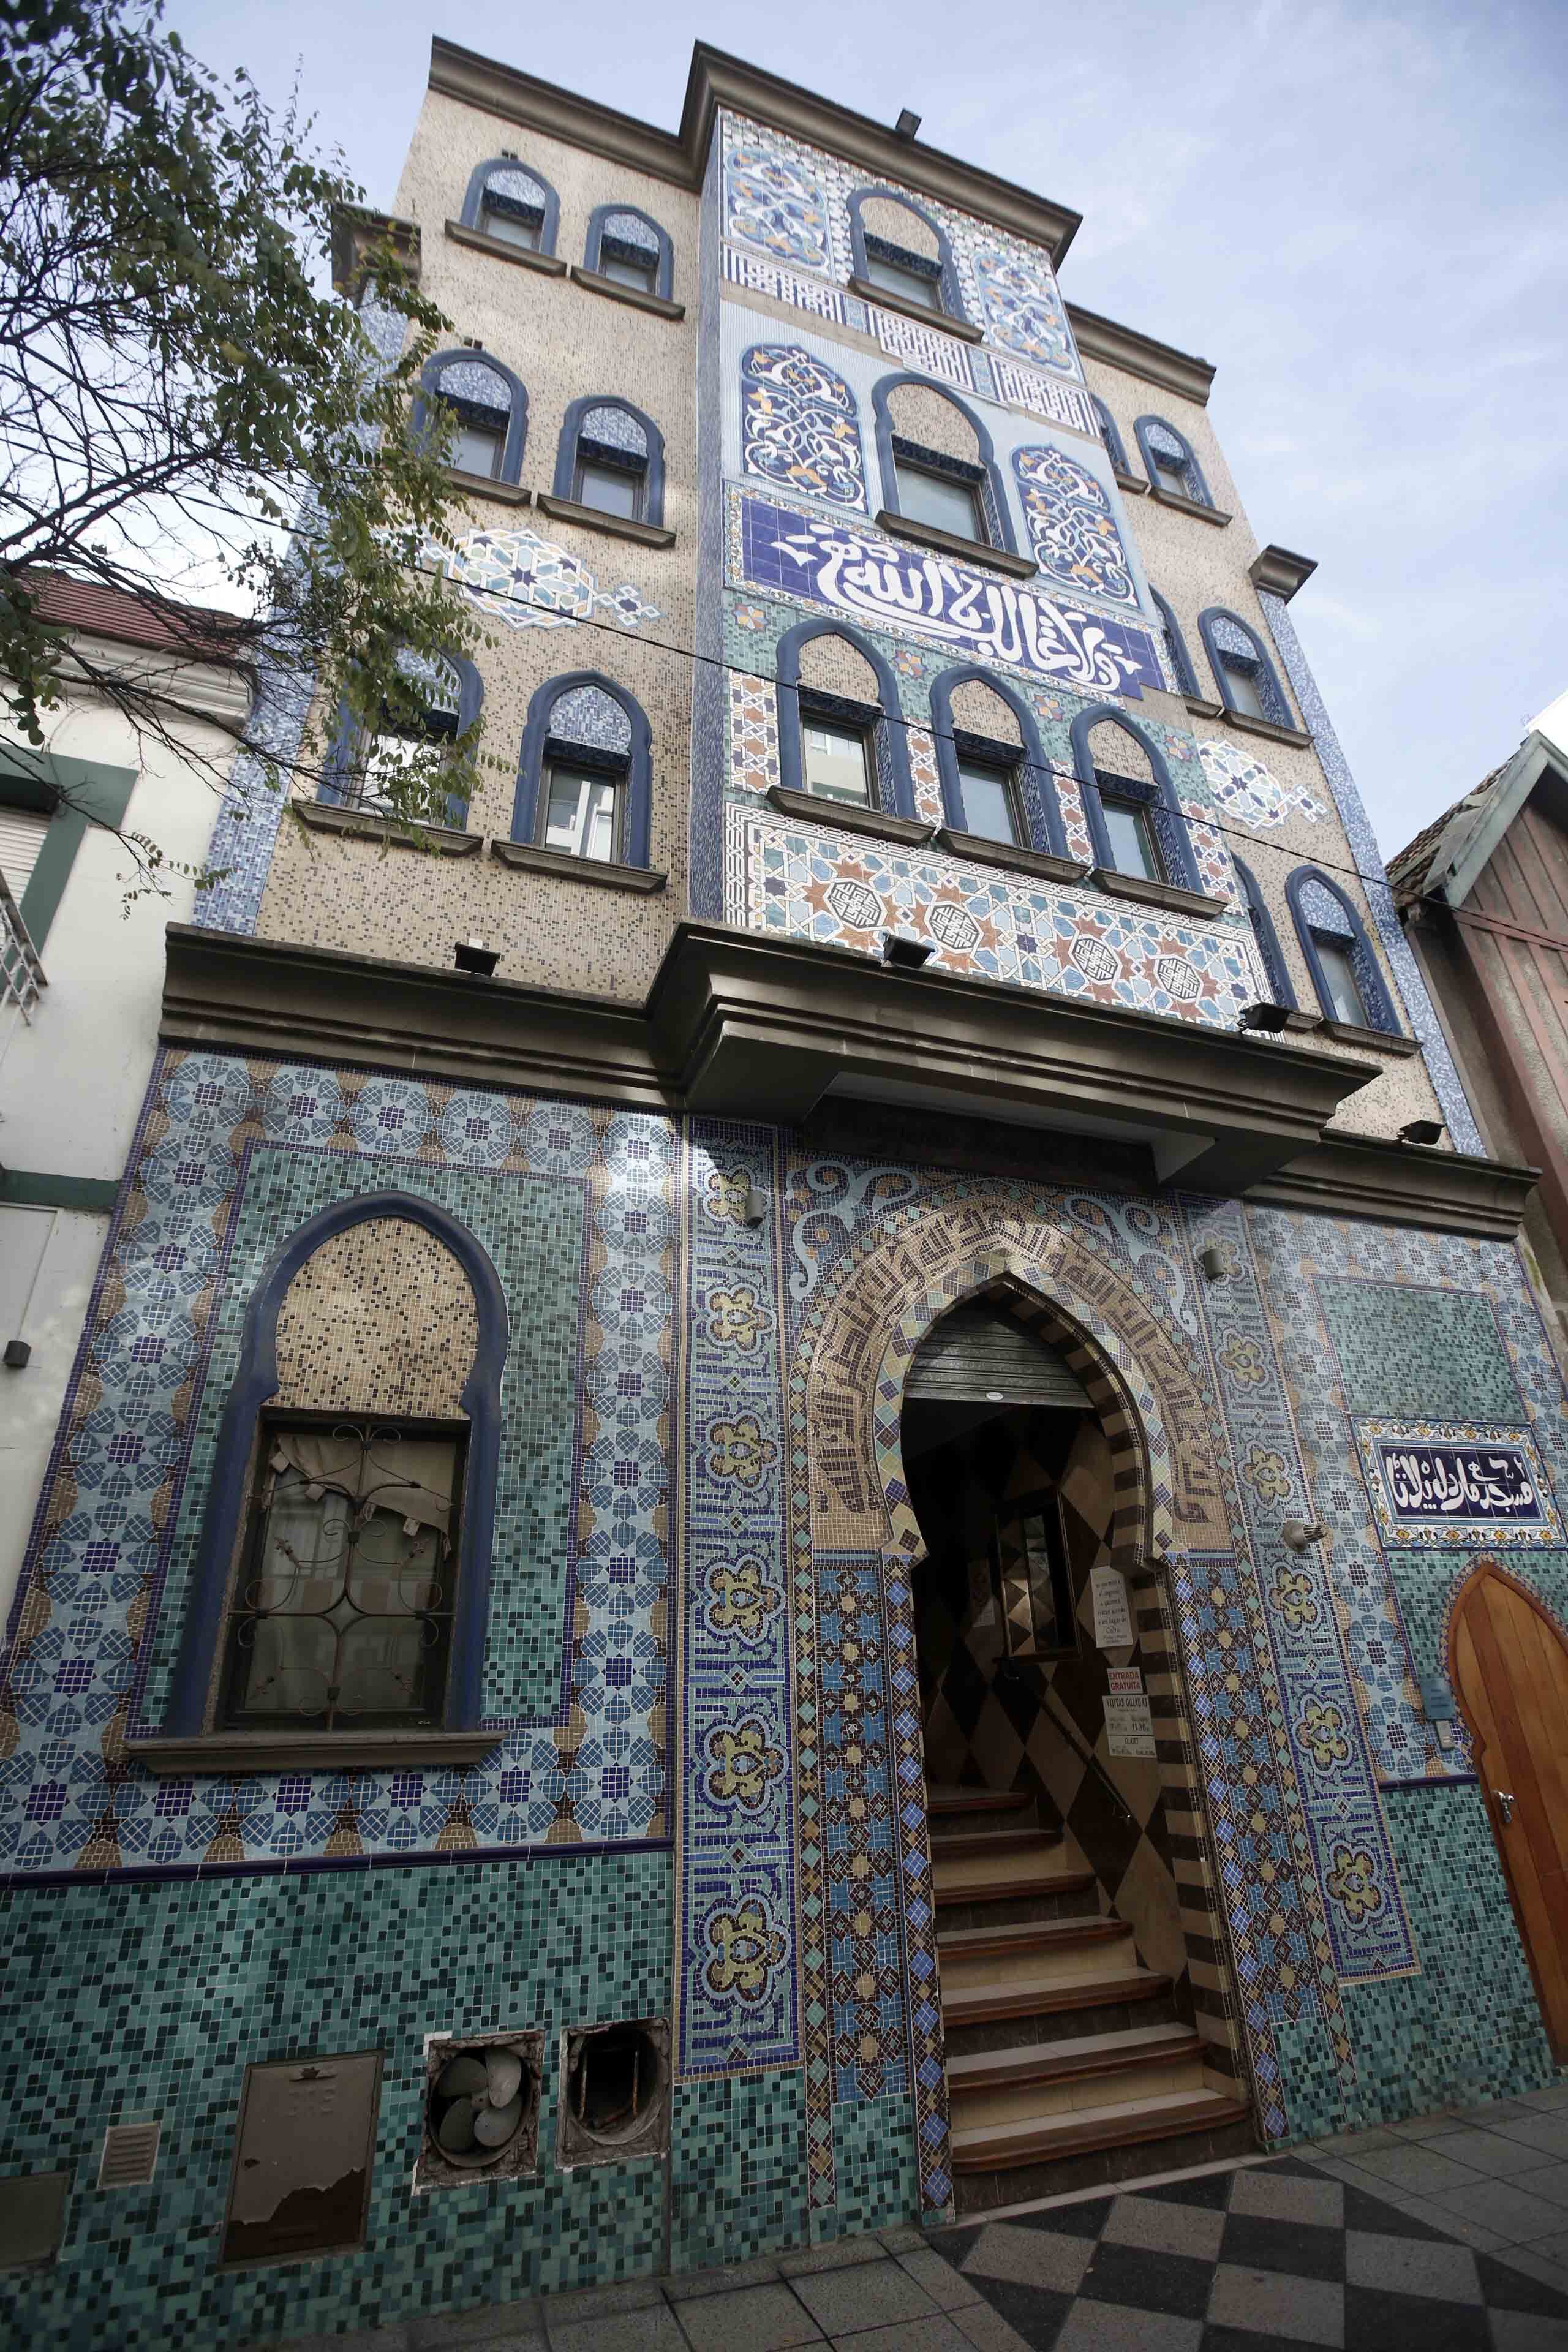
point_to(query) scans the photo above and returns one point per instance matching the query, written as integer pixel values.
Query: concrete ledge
(602, 873)
(884, 297)
(1145, 893)
(1217, 515)
(978, 552)
(880, 824)
(550, 265)
(659, 305)
(646, 534)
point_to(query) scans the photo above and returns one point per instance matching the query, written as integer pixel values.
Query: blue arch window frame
(428, 396)
(652, 468)
(337, 780)
(1109, 435)
(256, 1382)
(478, 181)
(950, 292)
(1197, 488)
(1181, 659)
(985, 472)
(635, 766)
(1036, 787)
(593, 251)
(1159, 798)
(1371, 986)
(1270, 692)
(889, 744)
(1281, 989)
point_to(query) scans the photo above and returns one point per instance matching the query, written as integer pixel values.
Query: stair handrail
(1090, 1759)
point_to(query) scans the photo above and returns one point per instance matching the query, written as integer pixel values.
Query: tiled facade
(704, 1800)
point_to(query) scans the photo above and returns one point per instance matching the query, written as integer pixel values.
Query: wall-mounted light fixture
(1215, 1259)
(1264, 1016)
(472, 955)
(753, 1208)
(904, 952)
(1299, 1534)
(1421, 1130)
(907, 123)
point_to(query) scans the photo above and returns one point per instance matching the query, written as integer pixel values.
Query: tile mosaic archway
(866, 2025)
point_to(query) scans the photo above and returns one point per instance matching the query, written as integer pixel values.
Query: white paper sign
(1112, 1618)
(1128, 1727)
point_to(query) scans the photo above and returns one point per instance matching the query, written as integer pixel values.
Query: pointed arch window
(366, 765)
(835, 747)
(1172, 467)
(902, 255)
(1135, 822)
(510, 202)
(584, 785)
(1264, 936)
(629, 248)
(610, 459)
(991, 790)
(483, 407)
(1181, 661)
(1345, 971)
(1248, 683)
(955, 488)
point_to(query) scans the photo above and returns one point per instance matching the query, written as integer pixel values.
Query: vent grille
(129, 2156)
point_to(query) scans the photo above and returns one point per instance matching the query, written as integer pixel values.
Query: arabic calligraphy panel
(1454, 1485)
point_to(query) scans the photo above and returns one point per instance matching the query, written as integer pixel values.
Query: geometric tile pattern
(529, 582)
(229, 1158)
(1246, 788)
(174, 1986)
(814, 883)
(737, 2005)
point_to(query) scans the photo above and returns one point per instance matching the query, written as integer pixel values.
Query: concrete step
(1038, 1951)
(989, 2003)
(948, 1804)
(974, 1871)
(1040, 2139)
(952, 1845)
(1089, 2072)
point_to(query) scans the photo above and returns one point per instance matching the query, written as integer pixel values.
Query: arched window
(1168, 456)
(1135, 821)
(841, 747)
(902, 255)
(1345, 972)
(508, 200)
(341, 1575)
(1281, 991)
(584, 782)
(800, 424)
(1181, 668)
(1249, 685)
(488, 408)
(995, 782)
(363, 766)
(938, 468)
(629, 248)
(611, 457)
(1109, 435)
(1071, 527)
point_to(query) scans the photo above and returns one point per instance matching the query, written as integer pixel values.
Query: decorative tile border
(1455, 1485)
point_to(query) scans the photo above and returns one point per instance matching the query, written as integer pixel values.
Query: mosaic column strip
(737, 1991)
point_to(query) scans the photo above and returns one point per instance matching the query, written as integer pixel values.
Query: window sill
(1379, 1041)
(1134, 484)
(338, 1751)
(1201, 709)
(1269, 727)
(938, 320)
(880, 824)
(1157, 894)
(444, 841)
(659, 304)
(596, 870)
(485, 485)
(978, 851)
(1189, 505)
(646, 534)
(973, 550)
(549, 265)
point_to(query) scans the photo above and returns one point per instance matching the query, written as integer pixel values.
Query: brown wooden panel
(1510, 1668)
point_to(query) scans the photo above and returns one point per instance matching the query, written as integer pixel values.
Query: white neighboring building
(74, 1061)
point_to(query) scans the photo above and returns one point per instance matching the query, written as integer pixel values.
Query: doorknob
(1505, 1804)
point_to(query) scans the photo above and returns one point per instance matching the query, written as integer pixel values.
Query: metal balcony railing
(21, 967)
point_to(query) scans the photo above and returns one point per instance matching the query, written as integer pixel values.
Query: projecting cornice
(716, 80)
(1135, 354)
(1278, 572)
(741, 1025)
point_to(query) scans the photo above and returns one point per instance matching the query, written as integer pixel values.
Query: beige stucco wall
(563, 340)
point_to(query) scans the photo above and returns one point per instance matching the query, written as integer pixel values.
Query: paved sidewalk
(1448, 2233)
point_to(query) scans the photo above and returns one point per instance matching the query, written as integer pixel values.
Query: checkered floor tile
(1278, 2254)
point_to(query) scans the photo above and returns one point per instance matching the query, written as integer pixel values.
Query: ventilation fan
(482, 2107)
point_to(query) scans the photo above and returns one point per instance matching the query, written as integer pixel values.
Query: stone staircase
(1067, 2064)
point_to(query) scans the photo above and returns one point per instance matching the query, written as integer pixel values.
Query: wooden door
(1510, 1670)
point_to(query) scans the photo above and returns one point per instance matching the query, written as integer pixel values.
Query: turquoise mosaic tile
(875, 2164)
(173, 1988)
(738, 2167)
(1419, 1354)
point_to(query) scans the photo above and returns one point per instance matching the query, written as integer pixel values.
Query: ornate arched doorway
(858, 1546)
(1508, 1664)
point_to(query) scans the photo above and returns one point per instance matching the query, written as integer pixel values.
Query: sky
(1359, 213)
